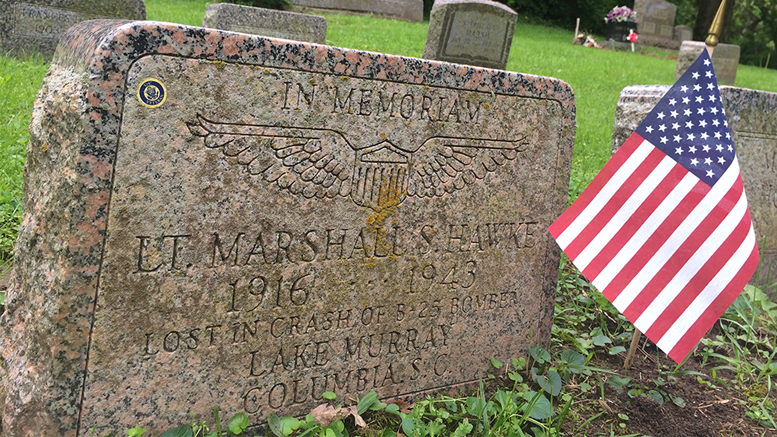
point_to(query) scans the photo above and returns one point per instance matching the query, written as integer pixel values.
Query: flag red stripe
(716, 309)
(681, 255)
(596, 185)
(655, 241)
(700, 280)
(633, 224)
(614, 204)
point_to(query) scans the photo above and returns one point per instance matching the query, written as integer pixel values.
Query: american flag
(664, 231)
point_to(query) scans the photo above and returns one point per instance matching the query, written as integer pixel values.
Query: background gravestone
(655, 23)
(408, 10)
(214, 218)
(470, 32)
(725, 59)
(266, 22)
(683, 33)
(35, 26)
(752, 119)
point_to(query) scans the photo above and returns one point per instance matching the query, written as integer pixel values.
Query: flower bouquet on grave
(620, 20)
(620, 14)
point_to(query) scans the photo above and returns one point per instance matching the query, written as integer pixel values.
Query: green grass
(20, 81)
(177, 11)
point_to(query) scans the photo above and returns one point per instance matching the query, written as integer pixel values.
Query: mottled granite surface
(752, 118)
(214, 218)
(408, 10)
(725, 59)
(266, 22)
(473, 32)
(35, 26)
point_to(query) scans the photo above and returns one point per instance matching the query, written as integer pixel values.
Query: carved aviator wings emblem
(323, 163)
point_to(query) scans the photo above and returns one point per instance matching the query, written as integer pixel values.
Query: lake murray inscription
(276, 220)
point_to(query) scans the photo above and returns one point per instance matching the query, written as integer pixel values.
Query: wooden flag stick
(632, 348)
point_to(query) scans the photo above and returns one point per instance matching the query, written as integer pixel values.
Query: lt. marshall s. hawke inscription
(299, 219)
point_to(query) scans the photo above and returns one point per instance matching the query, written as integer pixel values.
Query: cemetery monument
(35, 26)
(408, 10)
(266, 22)
(473, 32)
(752, 118)
(214, 218)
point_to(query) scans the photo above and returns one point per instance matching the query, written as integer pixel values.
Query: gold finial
(717, 26)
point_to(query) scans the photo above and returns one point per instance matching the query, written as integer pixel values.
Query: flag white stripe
(645, 189)
(693, 265)
(616, 264)
(678, 237)
(610, 188)
(708, 295)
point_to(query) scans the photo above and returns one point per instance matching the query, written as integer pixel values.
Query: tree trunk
(707, 11)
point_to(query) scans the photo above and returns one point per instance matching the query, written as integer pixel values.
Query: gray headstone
(408, 10)
(266, 22)
(683, 33)
(474, 32)
(752, 119)
(215, 218)
(35, 26)
(725, 59)
(655, 23)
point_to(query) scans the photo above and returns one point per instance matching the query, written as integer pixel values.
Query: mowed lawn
(597, 77)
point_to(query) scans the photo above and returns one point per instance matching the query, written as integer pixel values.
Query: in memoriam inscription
(298, 220)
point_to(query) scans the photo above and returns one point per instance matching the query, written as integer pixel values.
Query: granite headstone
(35, 26)
(725, 59)
(266, 22)
(683, 33)
(408, 10)
(655, 23)
(474, 32)
(752, 119)
(214, 218)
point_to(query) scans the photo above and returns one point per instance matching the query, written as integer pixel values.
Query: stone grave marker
(725, 59)
(474, 32)
(655, 23)
(407, 10)
(266, 22)
(683, 33)
(35, 26)
(224, 219)
(752, 118)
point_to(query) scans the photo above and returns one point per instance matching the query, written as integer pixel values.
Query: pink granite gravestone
(472, 32)
(408, 10)
(35, 26)
(214, 218)
(752, 119)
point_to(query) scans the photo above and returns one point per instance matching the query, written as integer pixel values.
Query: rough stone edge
(50, 303)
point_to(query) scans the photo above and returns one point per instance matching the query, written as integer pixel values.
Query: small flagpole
(711, 41)
(632, 348)
(715, 29)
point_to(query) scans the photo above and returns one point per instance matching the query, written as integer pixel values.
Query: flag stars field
(664, 231)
